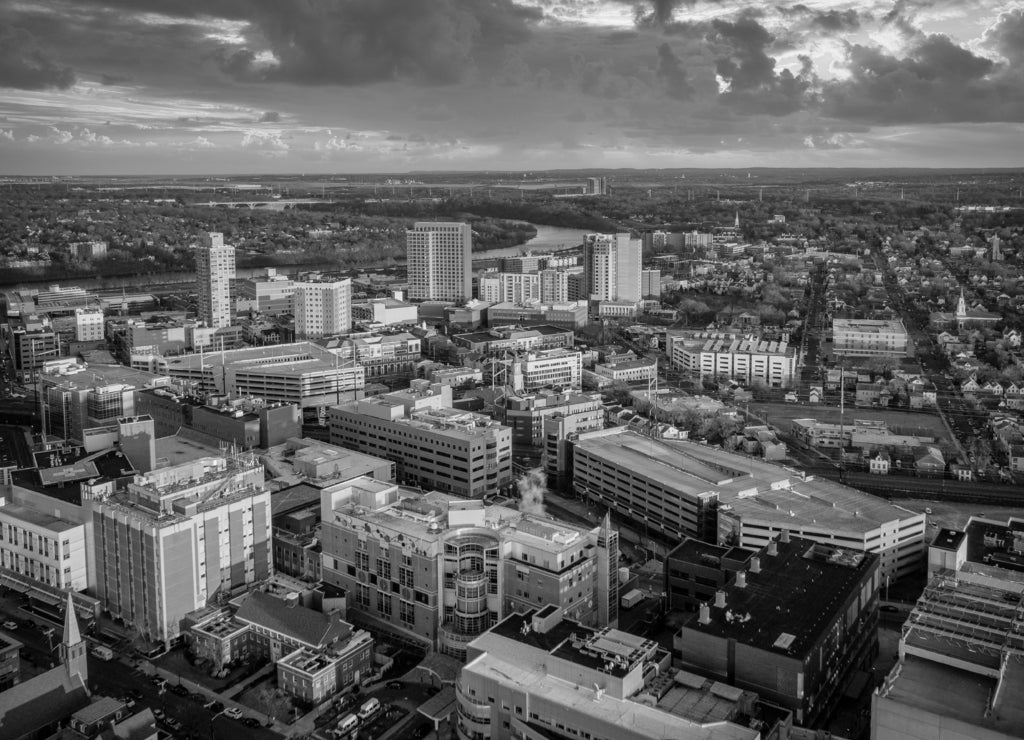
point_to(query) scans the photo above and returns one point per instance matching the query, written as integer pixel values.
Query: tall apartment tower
(322, 309)
(611, 267)
(215, 269)
(440, 261)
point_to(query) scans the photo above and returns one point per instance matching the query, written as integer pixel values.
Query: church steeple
(737, 219)
(72, 647)
(961, 306)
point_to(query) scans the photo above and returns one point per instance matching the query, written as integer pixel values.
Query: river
(548, 239)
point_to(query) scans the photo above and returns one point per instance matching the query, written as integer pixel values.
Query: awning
(14, 585)
(44, 597)
(440, 706)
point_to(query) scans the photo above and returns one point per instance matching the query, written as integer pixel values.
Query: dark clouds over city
(136, 86)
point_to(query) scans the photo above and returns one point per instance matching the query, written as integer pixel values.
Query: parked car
(10, 625)
(394, 684)
(233, 712)
(250, 722)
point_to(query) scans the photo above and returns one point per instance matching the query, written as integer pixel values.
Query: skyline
(104, 87)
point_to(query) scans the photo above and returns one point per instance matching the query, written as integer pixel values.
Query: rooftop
(770, 613)
(948, 539)
(37, 518)
(304, 625)
(870, 326)
(294, 360)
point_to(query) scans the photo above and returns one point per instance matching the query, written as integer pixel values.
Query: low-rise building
(869, 337)
(718, 355)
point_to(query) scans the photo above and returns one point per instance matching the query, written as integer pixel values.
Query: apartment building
(440, 261)
(215, 269)
(441, 569)
(322, 309)
(869, 337)
(37, 546)
(269, 294)
(554, 286)
(611, 267)
(180, 537)
(758, 634)
(514, 287)
(432, 445)
(539, 674)
(717, 355)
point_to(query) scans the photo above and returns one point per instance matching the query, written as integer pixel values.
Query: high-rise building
(322, 309)
(650, 284)
(611, 267)
(442, 570)
(181, 537)
(554, 286)
(440, 262)
(215, 269)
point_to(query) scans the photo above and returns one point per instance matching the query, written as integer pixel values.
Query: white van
(369, 708)
(102, 652)
(347, 724)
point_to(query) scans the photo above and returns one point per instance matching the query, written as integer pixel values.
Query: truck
(102, 652)
(632, 598)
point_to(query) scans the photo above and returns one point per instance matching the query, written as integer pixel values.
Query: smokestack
(741, 579)
(773, 549)
(705, 614)
(720, 599)
(755, 564)
(784, 537)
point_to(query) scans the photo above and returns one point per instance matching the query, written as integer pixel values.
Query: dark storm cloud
(744, 62)
(25, 64)
(1007, 36)
(937, 82)
(672, 73)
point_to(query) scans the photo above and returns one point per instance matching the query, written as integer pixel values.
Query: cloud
(258, 139)
(1007, 36)
(937, 81)
(672, 73)
(6, 133)
(270, 117)
(25, 65)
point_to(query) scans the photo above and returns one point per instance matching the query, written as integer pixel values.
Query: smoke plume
(531, 491)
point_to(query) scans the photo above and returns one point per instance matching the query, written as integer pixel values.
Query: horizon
(406, 86)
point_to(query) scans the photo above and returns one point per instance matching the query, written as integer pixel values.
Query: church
(964, 318)
(36, 707)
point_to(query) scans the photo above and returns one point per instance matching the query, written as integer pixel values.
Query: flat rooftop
(869, 326)
(996, 543)
(770, 612)
(37, 518)
(948, 539)
(960, 695)
(291, 360)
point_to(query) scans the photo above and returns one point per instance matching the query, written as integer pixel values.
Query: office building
(540, 675)
(628, 371)
(674, 488)
(497, 342)
(549, 368)
(301, 373)
(582, 413)
(525, 413)
(433, 445)
(695, 570)
(30, 342)
(441, 570)
(960, 671)
(269, 294)
(567, 316)
(650, 284)
(440, 261)
(725, 356)
(36, 546)
(383, 357)
(382, 312)
(180, 537)
(869, 337)
(322, 309)
(215, 269)
(88, 325)
(759, 633)
(611, 267)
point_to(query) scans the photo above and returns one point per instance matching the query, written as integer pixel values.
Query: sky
(106, 87)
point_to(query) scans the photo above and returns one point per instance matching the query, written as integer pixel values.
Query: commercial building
(322, 309)
(628, 371)
(215, 269)
(440, 261)
(181, 537)
(30, 342)
(568, 316)
(759, 633)
(383, 357)
(725, 356)
(37, 546)
(695, 571)
(525, 414)
(611, 267)
(677, 488)
(550, 368)
(960, 671)
(432, 445)
(581, 414)
(441, 570)
(540, 675)
(88, 324)
(269, 294)
(496, 342)
(869, 337)
(381, 312)
(301, 373)
(650, 284)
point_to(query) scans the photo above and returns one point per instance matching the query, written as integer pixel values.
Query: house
(1016, 455)
(961, 471)
(971, 385)
(879, 464)
(815, 394)
(928, 460)
(992, 387)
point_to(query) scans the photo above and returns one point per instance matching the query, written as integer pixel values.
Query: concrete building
(301, 373)
(695, 571)
(510, 287)
(215, 269)
(269, 294)
(432, 445)
(383, 357)
(37, 546)
(498, 342)
(88, 325)
(30, 342)
(758, 634)
(382, 312)
(322, 309)
(869, 338)
(540, 675)
(628, 371)
(181, 537)
(650, 284)
(550, 368)
(554, 286)
(960, 671)
(442, 570)
(440, 261)
(611, 267)
(723, 356)
(525, 414)
(567, 316)
(315, 460)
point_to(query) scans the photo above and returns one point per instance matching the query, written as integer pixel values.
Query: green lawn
(780, 414)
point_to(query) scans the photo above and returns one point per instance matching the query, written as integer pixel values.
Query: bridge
(278, 204)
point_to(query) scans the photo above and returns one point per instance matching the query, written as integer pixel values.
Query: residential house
(928, 460)
(880, 463)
